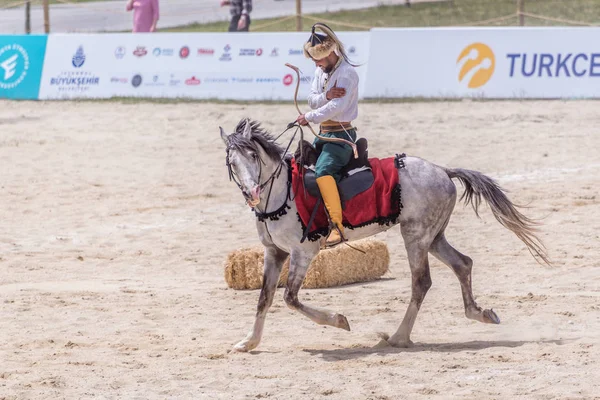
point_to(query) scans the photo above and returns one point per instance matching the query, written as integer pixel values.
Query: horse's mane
(259, 136)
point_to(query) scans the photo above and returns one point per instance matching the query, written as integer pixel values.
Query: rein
(277, 171)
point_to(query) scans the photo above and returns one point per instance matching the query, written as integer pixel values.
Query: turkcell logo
(477, 64)
(14, 65)
(554, 65)
(21, 62)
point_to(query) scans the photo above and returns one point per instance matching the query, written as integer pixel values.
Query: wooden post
(520, 10)
(46, 17)
(28, 17)
(299, 15)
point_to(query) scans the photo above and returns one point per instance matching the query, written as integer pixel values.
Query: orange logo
(478, 65)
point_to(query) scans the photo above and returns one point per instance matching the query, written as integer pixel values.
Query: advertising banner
(21, 63)
(484, 62)
(188, 65)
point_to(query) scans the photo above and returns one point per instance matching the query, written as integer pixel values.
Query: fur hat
(320, 46)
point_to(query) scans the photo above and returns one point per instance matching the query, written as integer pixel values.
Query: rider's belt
(334, 126)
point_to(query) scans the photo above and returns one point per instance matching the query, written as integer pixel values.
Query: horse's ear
(224, 136)
(248, 129)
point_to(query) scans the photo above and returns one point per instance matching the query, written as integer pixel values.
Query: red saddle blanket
(381, 203)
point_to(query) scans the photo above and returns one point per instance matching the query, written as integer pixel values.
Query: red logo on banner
(288, 80)
(192, 81)
(259, 52)
(184, 52)
(140, 51)
(206, 52)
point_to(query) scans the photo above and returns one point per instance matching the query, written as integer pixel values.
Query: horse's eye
(254, 156)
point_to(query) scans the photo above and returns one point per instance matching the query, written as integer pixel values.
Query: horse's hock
(341, 265)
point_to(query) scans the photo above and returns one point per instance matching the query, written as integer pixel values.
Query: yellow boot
(331, 198)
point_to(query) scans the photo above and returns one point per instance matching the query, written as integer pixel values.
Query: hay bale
(244, 269)
(332, 267)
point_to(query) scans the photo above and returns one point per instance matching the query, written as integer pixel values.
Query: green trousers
(334, 156)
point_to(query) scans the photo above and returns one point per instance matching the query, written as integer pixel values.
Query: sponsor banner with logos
(21, 63)
(484, 62)
(196, 65)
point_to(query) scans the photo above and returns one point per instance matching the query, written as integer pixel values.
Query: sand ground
(116, 220)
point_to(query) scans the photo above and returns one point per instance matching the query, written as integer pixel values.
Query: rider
(334, 100)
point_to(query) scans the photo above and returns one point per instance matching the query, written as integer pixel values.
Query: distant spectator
(240, 14)
(145, 14)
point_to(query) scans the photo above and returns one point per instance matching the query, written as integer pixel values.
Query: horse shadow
(356, 353)
(351, 285)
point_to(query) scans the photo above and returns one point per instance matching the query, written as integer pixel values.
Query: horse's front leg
(274, 259)
(299, 263)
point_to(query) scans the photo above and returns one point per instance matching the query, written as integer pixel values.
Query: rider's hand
(335, 92)
(302, 120)
(242, 22)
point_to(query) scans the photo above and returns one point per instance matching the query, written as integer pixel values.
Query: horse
(257, 164)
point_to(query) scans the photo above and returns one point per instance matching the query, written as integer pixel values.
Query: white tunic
(344, 109)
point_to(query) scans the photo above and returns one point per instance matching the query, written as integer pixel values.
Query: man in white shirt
(334, 101)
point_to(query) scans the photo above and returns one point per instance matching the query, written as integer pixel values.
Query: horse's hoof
(385, 342)
(244, 346)
(342, 322)
(239, 348)
(490, 317)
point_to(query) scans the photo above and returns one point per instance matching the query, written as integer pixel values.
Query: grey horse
(257, 164)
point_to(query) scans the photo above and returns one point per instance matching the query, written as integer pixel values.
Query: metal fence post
(28, 17)
(299, 15)
(520, 10)
(46, 17)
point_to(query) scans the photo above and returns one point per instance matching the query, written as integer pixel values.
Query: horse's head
(251, 153)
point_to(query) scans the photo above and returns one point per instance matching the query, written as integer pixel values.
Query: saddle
(357, 175)
(369, 189)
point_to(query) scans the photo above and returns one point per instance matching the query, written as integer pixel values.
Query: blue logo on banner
(79, 57)
(21, 62)
(136, 80)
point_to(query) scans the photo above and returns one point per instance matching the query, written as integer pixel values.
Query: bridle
(271, 179)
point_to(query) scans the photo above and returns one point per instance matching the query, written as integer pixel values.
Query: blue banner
(21, 64)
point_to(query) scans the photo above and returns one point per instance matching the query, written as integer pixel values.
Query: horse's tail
(478, 185)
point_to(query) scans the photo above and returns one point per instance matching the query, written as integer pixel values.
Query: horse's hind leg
(461, 265)
(274, 259)
(299, 263)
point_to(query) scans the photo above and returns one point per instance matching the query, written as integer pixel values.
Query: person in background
(240, 14)
(145, 14)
